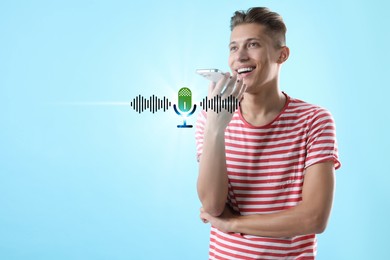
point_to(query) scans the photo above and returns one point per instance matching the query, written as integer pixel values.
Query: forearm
(298, 220)
(212, 180)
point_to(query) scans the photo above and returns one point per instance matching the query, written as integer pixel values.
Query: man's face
(253, 56)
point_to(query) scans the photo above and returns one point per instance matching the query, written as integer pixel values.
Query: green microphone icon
(184, 100)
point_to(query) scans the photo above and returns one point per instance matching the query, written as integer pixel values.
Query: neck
(262, 105)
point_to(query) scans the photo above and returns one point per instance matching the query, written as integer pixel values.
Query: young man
(266, 172)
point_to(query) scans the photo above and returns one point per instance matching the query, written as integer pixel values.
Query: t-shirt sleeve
(199, 133)
(321, 142)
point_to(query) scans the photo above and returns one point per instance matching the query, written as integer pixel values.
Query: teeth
(244, 70)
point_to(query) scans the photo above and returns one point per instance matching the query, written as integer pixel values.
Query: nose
(242, 54)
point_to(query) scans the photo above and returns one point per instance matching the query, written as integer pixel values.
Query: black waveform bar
(153, 104)
(216, 104)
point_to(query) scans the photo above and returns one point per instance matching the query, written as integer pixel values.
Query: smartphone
(211, 74)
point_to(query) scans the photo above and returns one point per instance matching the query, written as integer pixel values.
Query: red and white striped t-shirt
(266, 167)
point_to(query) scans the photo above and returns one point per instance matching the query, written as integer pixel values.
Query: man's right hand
(235, 88)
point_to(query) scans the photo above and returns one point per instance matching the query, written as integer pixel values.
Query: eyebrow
(247, 40)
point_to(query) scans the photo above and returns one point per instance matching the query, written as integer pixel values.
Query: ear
(284, 54)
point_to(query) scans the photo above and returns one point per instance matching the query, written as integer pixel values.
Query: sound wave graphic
(154, 104)
(217, 104)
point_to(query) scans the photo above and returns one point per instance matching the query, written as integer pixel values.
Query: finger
(242, 91)
(229, 86)
(220, 84)
(203, 217)
(237, 88)
(211, 87)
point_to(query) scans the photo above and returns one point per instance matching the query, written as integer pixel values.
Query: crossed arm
(308, 217)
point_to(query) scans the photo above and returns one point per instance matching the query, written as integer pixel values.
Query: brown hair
(272, 21)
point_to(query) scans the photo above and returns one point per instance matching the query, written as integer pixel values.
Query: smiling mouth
(244, 71)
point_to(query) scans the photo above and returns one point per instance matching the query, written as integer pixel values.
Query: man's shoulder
(299, 103)
(311, 115)
(299, 106)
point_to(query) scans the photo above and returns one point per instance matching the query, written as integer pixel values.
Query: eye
(233, 48)
(253, 44)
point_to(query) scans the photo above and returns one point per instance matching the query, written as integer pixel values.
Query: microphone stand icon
(185, 104)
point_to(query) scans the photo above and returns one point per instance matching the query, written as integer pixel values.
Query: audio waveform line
(153, 104)
(217, 104)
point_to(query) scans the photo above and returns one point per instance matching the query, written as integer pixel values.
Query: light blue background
(87, 180)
